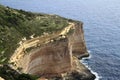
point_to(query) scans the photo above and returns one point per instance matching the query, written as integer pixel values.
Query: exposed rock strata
(57, 58)
(51, 59)
(77, 41)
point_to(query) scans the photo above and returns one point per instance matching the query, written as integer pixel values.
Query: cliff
(56, 55)
(51, 49)
(16, 26)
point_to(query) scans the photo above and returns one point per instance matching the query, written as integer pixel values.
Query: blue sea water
(101, 26)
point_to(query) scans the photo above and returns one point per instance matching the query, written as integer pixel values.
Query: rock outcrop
(58, 56)
(77, 41)
(51, 59)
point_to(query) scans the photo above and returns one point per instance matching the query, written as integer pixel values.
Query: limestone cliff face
(56, 56)
(77, 41)
(51, 59)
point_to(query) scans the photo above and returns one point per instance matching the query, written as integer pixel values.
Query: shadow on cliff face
(75, 76)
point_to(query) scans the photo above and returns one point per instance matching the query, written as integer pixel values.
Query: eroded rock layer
(55, 57)
(77, 41)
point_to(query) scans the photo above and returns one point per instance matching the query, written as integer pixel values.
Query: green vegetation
(8, 73)
(16, 24)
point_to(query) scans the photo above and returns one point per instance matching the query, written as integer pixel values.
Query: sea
(101, 20)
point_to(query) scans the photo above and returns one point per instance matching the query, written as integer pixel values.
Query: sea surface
(101, 27)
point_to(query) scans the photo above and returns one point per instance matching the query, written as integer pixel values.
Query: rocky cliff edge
(54, 56)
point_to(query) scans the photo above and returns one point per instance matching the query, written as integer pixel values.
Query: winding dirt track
(38, 40)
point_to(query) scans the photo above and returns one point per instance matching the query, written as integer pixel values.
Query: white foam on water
(95, 73)
(89, 57)
(89, 51)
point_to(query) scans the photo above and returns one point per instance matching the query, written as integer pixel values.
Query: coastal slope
(47, 46)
